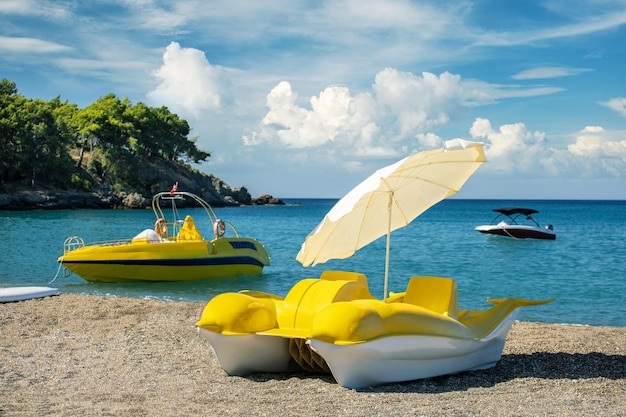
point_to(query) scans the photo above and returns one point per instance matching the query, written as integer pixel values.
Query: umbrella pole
(387, 249)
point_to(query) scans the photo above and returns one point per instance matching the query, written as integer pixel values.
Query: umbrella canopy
(389, 199)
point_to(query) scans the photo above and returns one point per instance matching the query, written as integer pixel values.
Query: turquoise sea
(584, 268)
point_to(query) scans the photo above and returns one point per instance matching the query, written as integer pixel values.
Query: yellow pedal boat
(174, 250)
(333, 324)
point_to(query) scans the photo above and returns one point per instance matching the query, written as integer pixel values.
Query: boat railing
(72, 243)
(172, 197)
(232, 227)
(175, 226)
(75, 242)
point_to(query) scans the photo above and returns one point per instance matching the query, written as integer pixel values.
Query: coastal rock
(62, 200)
(238, 195)
(68, 200)
(266, 199)
(28, 200)
(135, 200)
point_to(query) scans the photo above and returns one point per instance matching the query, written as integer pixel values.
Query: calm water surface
(583, 268)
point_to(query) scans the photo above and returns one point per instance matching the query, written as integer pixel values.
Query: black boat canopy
(516, 210)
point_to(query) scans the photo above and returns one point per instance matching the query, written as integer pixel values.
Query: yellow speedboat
(334, 324)
(174, 250)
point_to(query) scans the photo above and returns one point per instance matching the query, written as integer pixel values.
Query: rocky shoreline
(62, 200)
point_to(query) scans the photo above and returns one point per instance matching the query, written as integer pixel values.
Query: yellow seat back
(306, 298)
(189, 231)
(437, 294)
(344, 276)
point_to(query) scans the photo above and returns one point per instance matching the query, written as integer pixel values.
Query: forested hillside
(111, 146)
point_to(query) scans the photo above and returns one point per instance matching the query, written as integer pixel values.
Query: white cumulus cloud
(189, 84)
(511, 147)
(298, 127)
(515, 150)
(600, 150)
(386, 121)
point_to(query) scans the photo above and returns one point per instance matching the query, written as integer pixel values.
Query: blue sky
(306, 99)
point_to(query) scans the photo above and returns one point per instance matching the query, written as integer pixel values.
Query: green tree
(35, 145)
(37, 139)
(45, 144)
(158, 132)
(10, 102)
(102, 125)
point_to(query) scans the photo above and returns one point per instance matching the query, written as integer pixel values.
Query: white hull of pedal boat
(406, 358)
(249, 353)
(389, 359)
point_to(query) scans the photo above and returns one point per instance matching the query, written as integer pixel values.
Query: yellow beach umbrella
(389, 199)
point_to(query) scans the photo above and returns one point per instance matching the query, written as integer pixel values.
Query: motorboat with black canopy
(518, 223)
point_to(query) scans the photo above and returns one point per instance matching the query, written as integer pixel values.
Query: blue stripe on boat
(239, 260)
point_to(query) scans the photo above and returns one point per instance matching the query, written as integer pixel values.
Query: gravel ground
(73, 355)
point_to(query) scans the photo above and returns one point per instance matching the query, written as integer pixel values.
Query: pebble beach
(78, 355)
